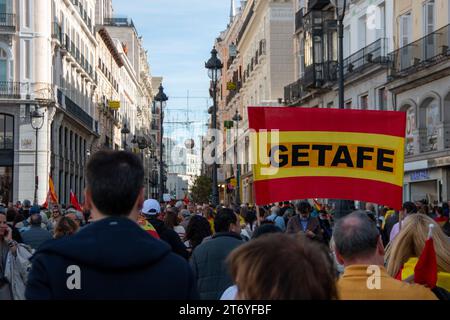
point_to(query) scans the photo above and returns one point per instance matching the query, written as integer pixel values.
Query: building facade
(419, 79)
(58, 57)
(253, 75)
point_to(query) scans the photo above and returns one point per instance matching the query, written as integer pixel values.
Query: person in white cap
(151, 210)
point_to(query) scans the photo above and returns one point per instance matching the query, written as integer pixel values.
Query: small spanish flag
(147, 226)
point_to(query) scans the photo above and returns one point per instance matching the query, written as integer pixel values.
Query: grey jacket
(208, 264)
(36, 236)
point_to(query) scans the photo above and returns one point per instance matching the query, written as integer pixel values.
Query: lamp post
(142, 144)
(214, 66)
(125, 131)
(340, 8)
(37, 121)
(162, 98)
(237, 117)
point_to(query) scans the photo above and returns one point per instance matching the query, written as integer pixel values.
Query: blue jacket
(117, 259)
(36, 236)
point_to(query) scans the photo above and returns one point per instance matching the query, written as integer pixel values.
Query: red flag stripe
(334, 120)
(269, 191)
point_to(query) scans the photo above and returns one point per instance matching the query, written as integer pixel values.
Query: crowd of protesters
(184, 250)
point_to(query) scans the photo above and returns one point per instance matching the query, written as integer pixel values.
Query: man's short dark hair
(224, 218)
(409, 207)
(304, 207)
(114, 179)
(355, 235)
(36, 219)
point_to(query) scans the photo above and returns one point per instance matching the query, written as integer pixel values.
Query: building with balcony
(368, 39)
(256, 49)
(419, 77)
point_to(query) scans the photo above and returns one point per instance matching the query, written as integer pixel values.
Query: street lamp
(214, 66)
(37, 121)
(340, 7)
(125, 131)
(162, 98)
(342, 206)
(237, 117)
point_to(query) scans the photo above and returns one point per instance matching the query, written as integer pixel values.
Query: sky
(179, 35)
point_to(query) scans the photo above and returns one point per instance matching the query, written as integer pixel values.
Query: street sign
(115, 105)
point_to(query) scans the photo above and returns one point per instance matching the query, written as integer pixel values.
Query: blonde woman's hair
(411, 241)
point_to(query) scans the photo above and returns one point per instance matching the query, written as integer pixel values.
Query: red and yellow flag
(301, 153)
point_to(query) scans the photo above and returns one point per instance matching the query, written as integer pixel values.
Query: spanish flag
(51, 194)
(302, 153)
(148, 227)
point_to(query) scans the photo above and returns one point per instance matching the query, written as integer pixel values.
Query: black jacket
(117, 259)
(208, 263)
(170, 236)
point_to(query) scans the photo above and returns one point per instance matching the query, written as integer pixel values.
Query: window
(405, 29)
(347, 42)
(428, 15)
(348, 104)
(27, 57)
(382, 99)
(27, 13)
(405, 38)
(381, 29)
(3, 65)
(362, 32)
(364, 102)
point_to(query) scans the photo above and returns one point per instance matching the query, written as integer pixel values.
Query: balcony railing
(78, 113)
(420, 54)
(294, 92)
(374, 53)
(78, 56)
(10, 90)
(7, 20)
(119, 22)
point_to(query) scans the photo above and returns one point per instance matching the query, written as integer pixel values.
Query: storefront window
(6, 132)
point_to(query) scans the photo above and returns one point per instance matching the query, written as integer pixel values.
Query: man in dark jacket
(112, 258)
(208, 259)
(304, 222)
(152, 210)
(36, 235)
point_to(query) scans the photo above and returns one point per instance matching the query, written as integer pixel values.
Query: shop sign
(420, 175)
(115, 105)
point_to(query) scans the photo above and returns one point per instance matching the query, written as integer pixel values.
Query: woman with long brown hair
(402, 254)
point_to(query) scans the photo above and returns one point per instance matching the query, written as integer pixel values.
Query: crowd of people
(129, 247)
